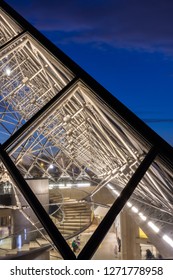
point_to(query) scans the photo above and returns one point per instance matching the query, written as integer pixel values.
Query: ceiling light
(51, 166)
(61, 185)
(116, 192)
(168, 240)
(154, 227)
(8, 71)
(142, 216)
(113, 189)
(134, 209)
(84, 184)
(129, 204)
(110, 187)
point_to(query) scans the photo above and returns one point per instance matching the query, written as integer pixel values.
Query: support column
(130, 249)
(21, 225)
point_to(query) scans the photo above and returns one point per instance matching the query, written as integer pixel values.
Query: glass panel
(151, 206)
(8, 28)
(30, 77)
(20, 230)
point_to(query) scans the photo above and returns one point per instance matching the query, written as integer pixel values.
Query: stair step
(33, 245)
(71, 227)
(77, 211)
(75, 206)
(12, 252)
(67, 232)
(74, 223)
(75, 219)
(42, 241)
(3, 252)
(76, 216)
(25, 247)
(70, 211)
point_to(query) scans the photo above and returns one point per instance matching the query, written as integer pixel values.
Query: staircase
(70, 215)
(71, 218)
(77, 218)
(28, 251)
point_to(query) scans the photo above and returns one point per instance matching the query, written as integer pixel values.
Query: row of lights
(51, 166)
(69, 185)
(144, 218)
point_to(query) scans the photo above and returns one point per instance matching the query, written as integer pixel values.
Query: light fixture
(168, 240)
(116, 192)
(51, 166)
(60, 185)
(7, 71)
(113, 189)
(153, 226)
(110, 187)
(129, 204)
(84, 184)
(69, 185)
(141, 215)
(134, 209)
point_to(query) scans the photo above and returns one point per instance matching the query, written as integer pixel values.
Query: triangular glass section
(21, 231)
(9, 28)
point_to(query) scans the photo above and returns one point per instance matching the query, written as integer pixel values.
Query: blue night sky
(126, 45)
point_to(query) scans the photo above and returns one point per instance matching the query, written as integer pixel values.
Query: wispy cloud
(135, 24)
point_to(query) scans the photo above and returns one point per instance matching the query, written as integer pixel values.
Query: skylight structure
(57, 122)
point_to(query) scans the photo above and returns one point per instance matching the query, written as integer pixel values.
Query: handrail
(59, 204)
